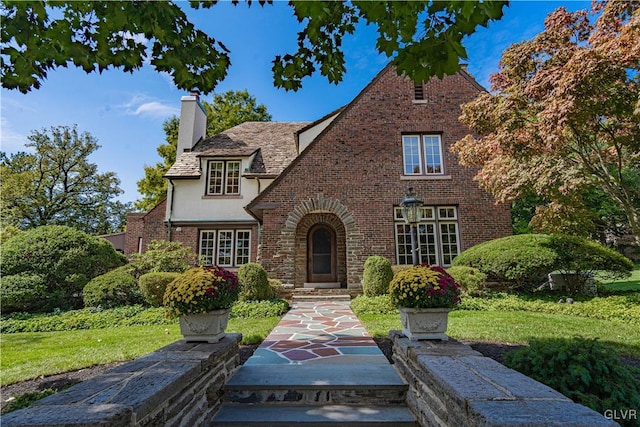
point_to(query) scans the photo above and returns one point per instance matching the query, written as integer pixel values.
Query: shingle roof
(273, 141)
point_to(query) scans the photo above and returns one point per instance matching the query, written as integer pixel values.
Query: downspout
(170, 209)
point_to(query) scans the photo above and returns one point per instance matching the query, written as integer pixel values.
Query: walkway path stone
(318, 366)
(318, 332)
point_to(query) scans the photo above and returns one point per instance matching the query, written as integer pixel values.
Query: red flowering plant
(424, 286)
(201, 290)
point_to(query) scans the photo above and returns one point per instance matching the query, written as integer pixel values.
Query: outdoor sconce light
(412, 214)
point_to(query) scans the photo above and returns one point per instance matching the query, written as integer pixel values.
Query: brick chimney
(193, 122)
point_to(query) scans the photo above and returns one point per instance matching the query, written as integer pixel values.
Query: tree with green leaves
(423, 38)
(227, 110)
(563, 118)
(56, 184)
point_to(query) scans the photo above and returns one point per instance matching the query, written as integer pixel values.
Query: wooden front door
(321, 254)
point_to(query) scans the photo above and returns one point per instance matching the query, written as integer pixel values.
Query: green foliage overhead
(376, 276)
(57, 185)
(65, 258)
(423, 38)
(226, 111)
(584, 370)
(254, 283)
(113, 289)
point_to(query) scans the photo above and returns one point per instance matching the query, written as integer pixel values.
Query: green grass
(518, 327)
(32, 354)
(627, 284)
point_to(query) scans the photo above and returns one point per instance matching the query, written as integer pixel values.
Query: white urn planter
(206, 327)
(424, 323)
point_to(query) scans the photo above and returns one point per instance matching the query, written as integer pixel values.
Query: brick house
(311, 201)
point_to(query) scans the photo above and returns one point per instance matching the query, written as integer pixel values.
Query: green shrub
(583, 258)
(254, 283)
(523, 261)
(164, 256)
(520, 261)
(153, 285)
(380, 304)
(113, 289)
(472, 280)
(65, 258)
(21, 292)
(87, 318)
(255, 309)
(584, 370)
(376, 276)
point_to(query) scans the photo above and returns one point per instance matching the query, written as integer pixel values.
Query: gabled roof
(273, 143)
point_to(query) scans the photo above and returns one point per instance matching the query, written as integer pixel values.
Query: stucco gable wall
(357, 162)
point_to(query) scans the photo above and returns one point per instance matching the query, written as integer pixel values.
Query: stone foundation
(450, 384)
(178, 385)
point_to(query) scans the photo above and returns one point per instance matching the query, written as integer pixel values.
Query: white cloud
(145, 106)
(156, 109)
(10, 140)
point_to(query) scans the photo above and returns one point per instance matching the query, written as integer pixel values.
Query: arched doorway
(322, 254)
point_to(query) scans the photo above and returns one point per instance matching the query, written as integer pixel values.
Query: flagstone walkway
(318, 332)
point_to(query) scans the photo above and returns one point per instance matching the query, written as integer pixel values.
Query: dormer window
(223, 177)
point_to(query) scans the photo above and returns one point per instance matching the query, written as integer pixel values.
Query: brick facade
(354, 171)
(142, 228)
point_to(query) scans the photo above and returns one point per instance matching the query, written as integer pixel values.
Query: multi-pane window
(224, 177)
(227, 248)
(438, 241)
(422, 154)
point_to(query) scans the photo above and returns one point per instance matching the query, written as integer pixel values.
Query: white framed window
(226, 248)
(422, 155)
(438, 236)
(223, 177)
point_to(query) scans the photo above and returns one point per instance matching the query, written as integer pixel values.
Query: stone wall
(178, 385)
(450, 384)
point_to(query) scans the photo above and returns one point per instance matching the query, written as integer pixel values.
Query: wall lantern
(412, 214)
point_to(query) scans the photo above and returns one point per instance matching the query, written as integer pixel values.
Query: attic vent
(418, 91)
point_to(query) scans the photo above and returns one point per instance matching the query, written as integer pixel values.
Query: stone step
(337, 384)
(317, 416)
(320, 297)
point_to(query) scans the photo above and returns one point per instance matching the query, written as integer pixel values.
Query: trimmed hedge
(153, 286)
(376, 276)
(254, 283)
(65, 258)
(113, 289)
(472, 280)
(21, 292)
(523, 261)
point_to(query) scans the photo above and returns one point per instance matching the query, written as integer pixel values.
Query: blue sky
(125, 111)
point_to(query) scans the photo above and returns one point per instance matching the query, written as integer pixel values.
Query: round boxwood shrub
(113, 289)
(254, 283)
(21, 292)
(584, 370)
(64, 257)
(376, 276)
(153, 286)
(472, 280)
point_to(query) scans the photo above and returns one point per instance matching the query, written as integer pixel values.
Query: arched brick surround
(293, 241)
(301, 245)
